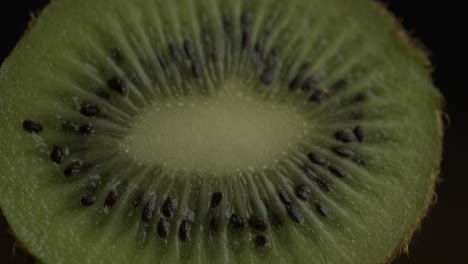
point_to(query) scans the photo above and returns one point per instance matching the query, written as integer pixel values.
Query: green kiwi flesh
(216, 132)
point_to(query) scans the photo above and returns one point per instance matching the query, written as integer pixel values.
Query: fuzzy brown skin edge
(410, 44)
(415, 49)
(430, 200)
(17, 245)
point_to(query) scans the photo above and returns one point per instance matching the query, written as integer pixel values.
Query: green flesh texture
(225, 131)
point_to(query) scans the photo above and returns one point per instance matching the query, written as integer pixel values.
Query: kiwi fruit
(185, 131)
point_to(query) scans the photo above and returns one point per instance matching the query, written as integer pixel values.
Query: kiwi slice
(188, 131)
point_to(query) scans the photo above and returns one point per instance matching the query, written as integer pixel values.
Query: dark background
(439, 25)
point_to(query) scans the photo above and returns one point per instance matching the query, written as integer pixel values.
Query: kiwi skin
(431, 194)
(13, 250)
(412, 49)
(416, 49)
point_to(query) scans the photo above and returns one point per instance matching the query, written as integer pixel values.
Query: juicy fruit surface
(215, 131)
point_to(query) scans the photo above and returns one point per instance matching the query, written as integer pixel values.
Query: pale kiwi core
(229, 131)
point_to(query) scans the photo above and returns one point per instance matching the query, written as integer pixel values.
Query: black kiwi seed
(322, 209)
(188, 48)
(303, 192)
(284, 197)
(317, 158)
(323, 184)
(295, 214)
(163, 227)
(359, 133)
(148, 211)
(70, 126)
(257, 223)
(73, 168)
(185, 230)
(343, 152)
(88, 199)
(337, 171)
(216, 198)
(345, 136)
(174, 51)
(318, 96)
(57, 155)
(266, 77)
(90, 110)
(169, 207)
(32, 126)
(236, 222)
(261, 241)
(111, 199)
(86, 129)
(118, 85)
